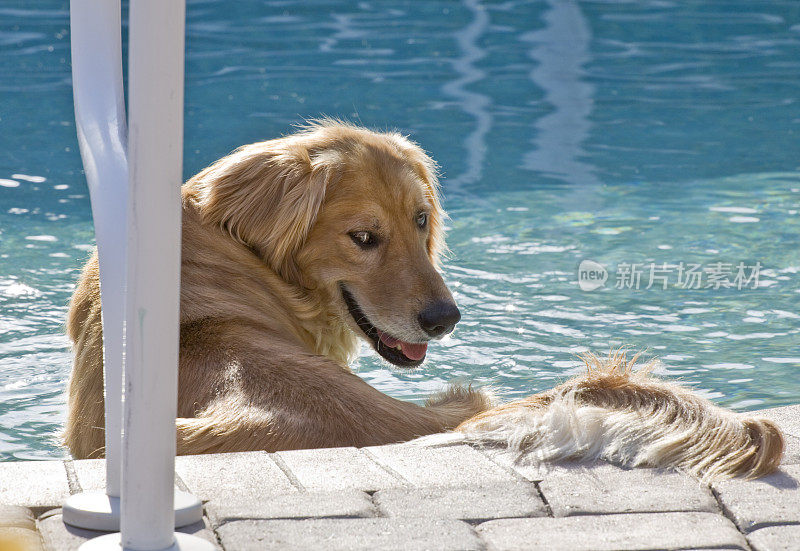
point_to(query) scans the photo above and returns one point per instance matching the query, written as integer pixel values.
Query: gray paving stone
(250, 503)
(791, 454)
(775, 538)
(91, 474)
(528, 469)
(640, 531)
(58, 536)
(223, 475)
(473, 503)
(349, 535)
(337, 469)
(773, 499)
(603, 489)
(33, 483)
(440, 466)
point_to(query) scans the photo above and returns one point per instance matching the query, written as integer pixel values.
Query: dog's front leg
(273, 398)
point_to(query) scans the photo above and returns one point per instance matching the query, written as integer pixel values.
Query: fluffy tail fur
(624, 415)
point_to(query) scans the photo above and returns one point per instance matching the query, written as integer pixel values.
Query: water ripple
(565, 131)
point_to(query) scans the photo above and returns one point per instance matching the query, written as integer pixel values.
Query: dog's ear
(267, 196)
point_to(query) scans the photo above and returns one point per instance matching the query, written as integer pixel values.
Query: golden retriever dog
(293, 250)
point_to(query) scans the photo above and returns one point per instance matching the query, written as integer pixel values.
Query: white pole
(100, 123)
(155, 141)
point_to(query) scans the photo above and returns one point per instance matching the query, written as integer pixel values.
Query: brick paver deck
(455, 497)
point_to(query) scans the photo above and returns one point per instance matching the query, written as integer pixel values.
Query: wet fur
(265, 338)
(621, 413)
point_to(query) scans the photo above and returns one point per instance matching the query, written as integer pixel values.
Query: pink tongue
(413, 351)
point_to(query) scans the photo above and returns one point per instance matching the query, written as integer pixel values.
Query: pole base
(98, 511)
(183, 542)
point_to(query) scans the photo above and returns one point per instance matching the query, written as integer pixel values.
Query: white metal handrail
(102, 135)
(134, 181)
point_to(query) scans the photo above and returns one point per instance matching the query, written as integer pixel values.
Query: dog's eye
(364, 239)
(422, 219)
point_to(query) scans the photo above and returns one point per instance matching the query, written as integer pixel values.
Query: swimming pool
(631, 135)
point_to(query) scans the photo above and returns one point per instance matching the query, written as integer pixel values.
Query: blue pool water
(629, 134)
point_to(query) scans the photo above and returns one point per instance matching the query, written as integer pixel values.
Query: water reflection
(473, 103)
(685, 117)
(561, 49)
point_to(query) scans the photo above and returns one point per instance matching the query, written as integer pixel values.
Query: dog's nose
(439, 318)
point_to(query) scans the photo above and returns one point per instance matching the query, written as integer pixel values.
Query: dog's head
(347, 213)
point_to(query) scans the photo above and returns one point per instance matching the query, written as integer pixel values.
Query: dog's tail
(626, 416)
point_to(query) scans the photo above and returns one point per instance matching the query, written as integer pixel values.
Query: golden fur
(266, 335)
(623, 414)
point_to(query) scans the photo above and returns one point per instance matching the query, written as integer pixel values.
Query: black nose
(439, 318)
